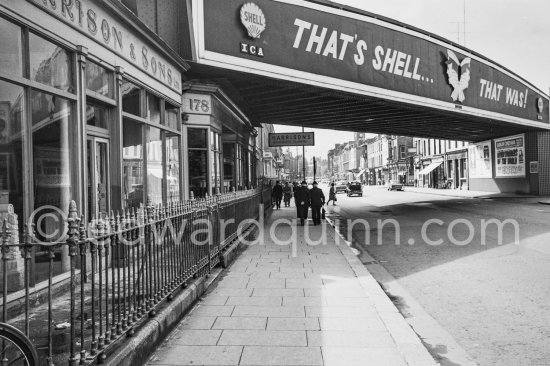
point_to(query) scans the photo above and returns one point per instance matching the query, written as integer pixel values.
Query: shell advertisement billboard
(349, 51)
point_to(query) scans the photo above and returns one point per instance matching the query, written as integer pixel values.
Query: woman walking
(332, 195)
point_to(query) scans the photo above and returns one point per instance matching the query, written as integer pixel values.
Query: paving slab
(255, 301)
(279, 338)
(277, 356)
(293, 324)
(198, 355)
(194, 337)
(240, 323)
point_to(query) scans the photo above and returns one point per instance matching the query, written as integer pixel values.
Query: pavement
(292, 301)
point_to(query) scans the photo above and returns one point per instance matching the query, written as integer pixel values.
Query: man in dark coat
(302, 199)
(317, 202)
(277, 195)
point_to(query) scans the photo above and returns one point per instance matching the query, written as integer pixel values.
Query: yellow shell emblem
(253, 19)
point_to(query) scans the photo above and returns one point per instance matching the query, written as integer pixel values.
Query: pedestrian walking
(317, 198)
(332, 195)
(302, 200)
(277, 194)
(287, 194)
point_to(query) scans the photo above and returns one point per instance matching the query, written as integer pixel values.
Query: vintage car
(355, 188)
(340, 186)
(393, 186)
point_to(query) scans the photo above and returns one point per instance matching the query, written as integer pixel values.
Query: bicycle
(16, 349)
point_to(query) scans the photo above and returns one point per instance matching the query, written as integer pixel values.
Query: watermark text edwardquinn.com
(282, 231)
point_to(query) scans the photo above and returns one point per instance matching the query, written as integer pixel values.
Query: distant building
(441, 163)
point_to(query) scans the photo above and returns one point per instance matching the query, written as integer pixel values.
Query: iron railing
(122, 268)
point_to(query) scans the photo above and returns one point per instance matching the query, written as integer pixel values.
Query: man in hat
(317, 202)
(277, 195)
(302, 199)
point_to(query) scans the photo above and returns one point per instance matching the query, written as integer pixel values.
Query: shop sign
(328, 46)
(292, 139)
(89, 19)
(479, 160)
(534, 167)
(197, 103)
(510, 157)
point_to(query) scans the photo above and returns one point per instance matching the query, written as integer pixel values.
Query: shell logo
(540, 105)
(253, 19)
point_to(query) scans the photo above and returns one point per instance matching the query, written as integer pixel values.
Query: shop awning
(429, 168)
(360, 173)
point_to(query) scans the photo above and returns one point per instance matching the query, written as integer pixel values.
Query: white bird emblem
(459, 85)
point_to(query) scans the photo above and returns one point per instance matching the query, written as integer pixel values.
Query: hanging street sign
(292, 139)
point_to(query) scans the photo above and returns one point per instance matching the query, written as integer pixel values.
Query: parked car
(355, 188)
(340, 186)
(395, 186)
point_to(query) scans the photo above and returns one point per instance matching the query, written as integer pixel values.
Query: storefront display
(480, 158)
(510, 157)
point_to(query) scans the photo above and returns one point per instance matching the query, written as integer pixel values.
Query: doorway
(97, 150)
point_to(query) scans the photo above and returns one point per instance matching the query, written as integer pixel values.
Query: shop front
(432, 174)
(456, 169)
(89, 111)
(220, 142)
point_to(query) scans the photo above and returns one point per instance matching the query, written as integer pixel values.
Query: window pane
(97, 116)
(155, 174)
(130, 98)
(10, 55)
(196, 138)
(228, 165)
(197, 172)
(132, 164)
(173, 167)
(11, 147)
(52, 120)
(172, 117)
(50, 64)
(213, 167)
(153, 108)
(99, 80)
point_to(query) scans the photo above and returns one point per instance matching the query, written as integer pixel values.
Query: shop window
(198, 161)
(197, 172)
(50, 64)
(132, 164)
(99, 80)
(131, 98)
(240, 167)
(155, 172)
(196, 138)
(228, 166)
(153, 108)
(97, 115)
(11, 146)
(173, 153)
(11, 54)
(215, 156)
(402, 154)
(52, 121)
(172, 117)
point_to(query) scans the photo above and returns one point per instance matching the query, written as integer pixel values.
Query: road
(493, 299)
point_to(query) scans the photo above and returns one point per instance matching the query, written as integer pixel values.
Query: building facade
(441, 163)
(95, 108)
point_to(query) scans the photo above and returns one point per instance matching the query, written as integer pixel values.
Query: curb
(408, 342)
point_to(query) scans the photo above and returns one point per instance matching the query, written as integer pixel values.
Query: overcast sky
(513, 33)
